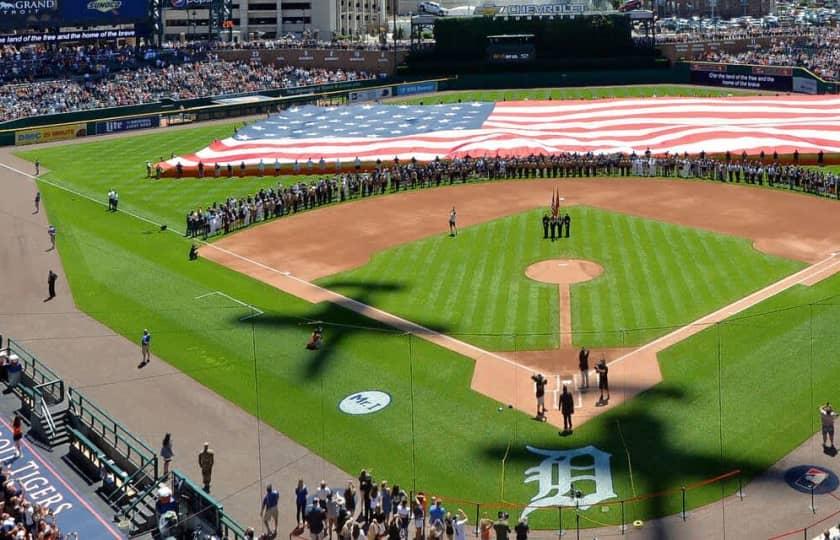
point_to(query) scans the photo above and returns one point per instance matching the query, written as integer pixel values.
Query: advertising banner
(23, 14)
(187, 4)
(370, 95)
(804, 85)
(104, 11)
(419, 88)
(47, 134)
(129, 124)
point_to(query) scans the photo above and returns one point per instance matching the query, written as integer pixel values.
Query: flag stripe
(675, 125)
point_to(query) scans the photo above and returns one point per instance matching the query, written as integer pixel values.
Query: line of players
(555, 224)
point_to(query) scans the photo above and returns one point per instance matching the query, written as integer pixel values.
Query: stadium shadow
(337, 320)
(631, 432)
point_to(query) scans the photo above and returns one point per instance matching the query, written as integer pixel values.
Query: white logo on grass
(557, 483)
(367, 402)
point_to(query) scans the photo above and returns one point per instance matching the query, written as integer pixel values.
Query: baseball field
(736, 392)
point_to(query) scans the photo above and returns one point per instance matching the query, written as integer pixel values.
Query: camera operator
(540, 383)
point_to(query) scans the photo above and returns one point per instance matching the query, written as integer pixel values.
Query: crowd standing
(148, 84)
(373, 511)
(813, 48)
(21, 517)
(235, 213)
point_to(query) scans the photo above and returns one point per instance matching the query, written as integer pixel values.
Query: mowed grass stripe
(657, 276)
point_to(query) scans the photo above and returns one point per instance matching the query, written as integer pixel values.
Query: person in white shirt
(322, 492)
(460, 525)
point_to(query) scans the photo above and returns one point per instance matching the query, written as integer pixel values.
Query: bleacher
(105, 454)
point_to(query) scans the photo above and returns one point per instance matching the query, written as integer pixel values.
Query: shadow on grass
(339, 320)
(631, 434)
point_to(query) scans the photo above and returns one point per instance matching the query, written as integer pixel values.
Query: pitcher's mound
(564, 271)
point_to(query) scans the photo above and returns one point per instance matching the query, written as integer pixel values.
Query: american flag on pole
(366, 133)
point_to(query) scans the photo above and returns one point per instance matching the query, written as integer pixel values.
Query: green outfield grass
(587, 92)
(438, 435)
(657, 276)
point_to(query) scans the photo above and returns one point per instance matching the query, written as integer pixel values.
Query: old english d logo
(556, 483)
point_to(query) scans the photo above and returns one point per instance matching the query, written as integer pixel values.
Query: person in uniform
(193, 252)
(603, 380)
(567, 221)
(553, 227)
(567, 409)
(52, 277)
(545, 221)
(453, 227)
(540, 382)
(145, 343)
(206, 458)
(583, 365)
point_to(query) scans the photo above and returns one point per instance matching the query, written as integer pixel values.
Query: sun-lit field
(438, 435)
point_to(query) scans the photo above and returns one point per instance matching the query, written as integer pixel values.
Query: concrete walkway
(157, 400)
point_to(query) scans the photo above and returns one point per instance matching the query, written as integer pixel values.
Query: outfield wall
(80, 124)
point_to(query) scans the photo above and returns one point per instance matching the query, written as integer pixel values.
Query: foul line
(739, 305)
(257, 311)
(82, 195)
(339, 299)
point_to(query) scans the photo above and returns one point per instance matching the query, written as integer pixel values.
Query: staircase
(59, 435)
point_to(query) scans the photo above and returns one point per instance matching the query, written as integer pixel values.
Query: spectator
(166, 453)
(268, 510)
(301, 494)
(522, 529)
(315, 520)
(827, 416)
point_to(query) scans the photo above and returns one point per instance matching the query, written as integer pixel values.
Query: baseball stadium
(397, 270)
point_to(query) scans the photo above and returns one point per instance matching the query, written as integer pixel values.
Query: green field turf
(589, 92)
(657, 276)
(130, 276)
(673, 433)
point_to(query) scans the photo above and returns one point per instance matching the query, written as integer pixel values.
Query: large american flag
(318, 136)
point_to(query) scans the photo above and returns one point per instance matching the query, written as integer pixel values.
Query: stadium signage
(60, 37)
(104, 6)
(47, 134)
(116, 126)
(321, 88)
(27, 7)
(556, 486)
(567, 7)
(543, 9)
(742, 80)
(187, 4)
(366, 402)
(420, 88)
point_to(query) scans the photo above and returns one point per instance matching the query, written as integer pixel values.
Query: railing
(578, 514)
(202, 506)
(123, 489)
(123, 441)
(45, 410)
(38, 373)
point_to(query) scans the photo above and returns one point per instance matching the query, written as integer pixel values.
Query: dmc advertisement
(130, 124)
(47, 134)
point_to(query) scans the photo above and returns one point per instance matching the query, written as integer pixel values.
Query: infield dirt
(291, 252)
